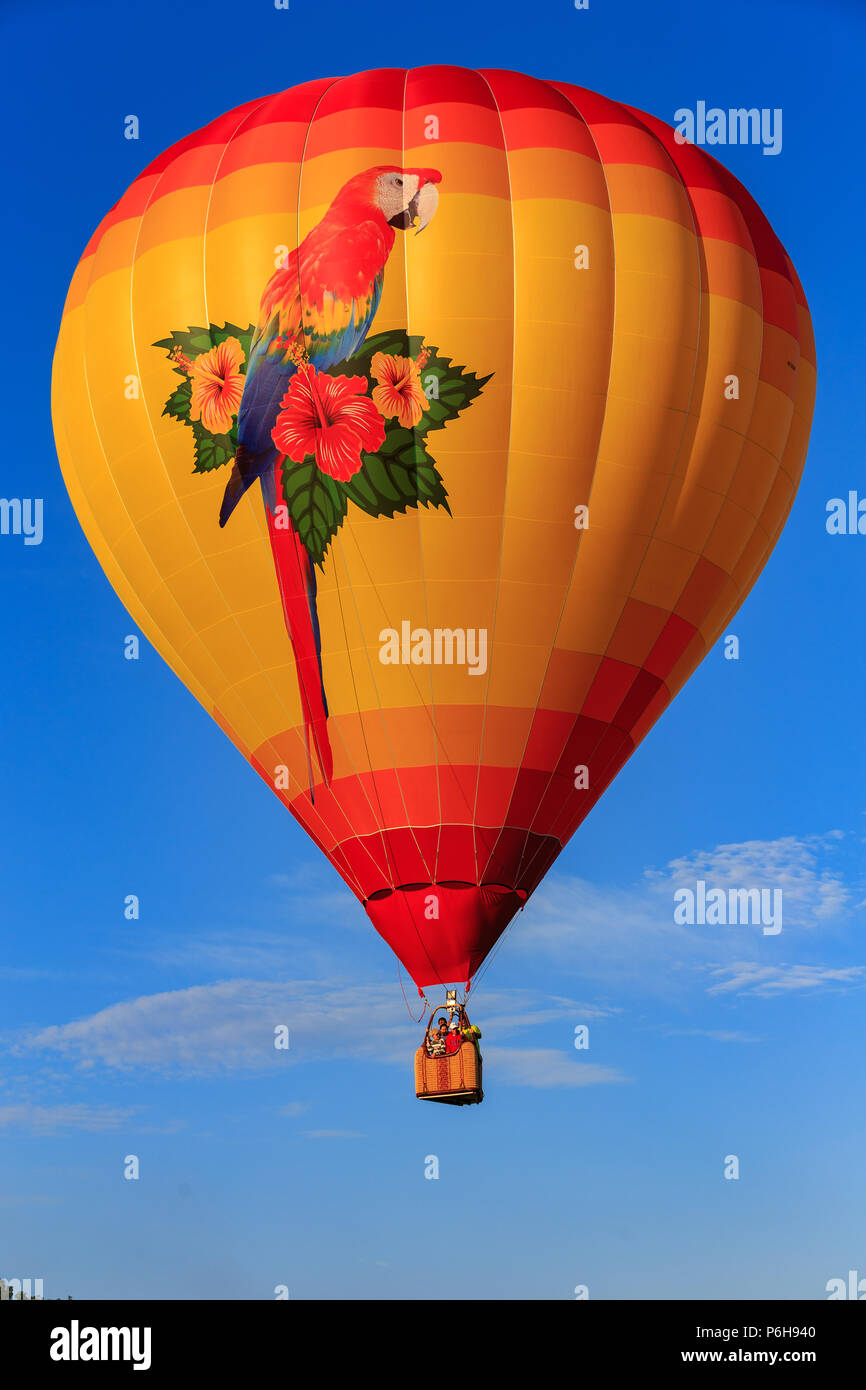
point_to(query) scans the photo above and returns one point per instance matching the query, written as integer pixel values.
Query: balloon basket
(454, 1079)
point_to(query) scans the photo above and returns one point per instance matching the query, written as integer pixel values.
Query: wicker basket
(455, 1079)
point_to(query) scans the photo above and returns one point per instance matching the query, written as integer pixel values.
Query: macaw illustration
(320, 304)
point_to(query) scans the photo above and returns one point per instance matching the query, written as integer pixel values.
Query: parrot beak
(422, 210)
(424, 206)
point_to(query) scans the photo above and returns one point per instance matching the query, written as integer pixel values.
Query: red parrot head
(403, 197)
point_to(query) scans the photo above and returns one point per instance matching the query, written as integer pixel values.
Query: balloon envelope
(515, 391)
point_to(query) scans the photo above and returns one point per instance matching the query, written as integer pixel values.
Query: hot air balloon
(432, 425)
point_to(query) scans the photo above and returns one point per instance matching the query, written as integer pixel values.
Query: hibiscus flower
(330, 417)
(217, 386)
(399, 393)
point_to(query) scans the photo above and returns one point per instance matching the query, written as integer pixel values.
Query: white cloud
(812, 892)
(333, 1134)
(748, 977)
(544, 1068)
(27, 1201)
(714, 1034)
(229, 1026)
(226, 953)
(48, 1119)
(628, 936)
(621, 936)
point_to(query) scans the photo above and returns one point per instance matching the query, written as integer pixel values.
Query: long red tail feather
(294, 575)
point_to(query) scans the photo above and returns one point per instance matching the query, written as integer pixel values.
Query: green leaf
(437, 415)
(316, 503)
(179, 402)
(395, 343)
(362, 493)
(400, 475)
(456, 387)
(231, 330)
(212, 450)
(194, 341)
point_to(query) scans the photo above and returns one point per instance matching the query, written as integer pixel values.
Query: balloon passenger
(455, 1037)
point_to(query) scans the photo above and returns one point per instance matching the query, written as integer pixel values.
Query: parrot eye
(399, 182)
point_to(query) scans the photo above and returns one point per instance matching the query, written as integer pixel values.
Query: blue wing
(267, 379)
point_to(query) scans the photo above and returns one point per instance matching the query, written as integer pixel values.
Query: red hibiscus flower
(330, 417)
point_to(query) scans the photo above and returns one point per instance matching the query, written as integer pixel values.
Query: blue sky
(152, 1038)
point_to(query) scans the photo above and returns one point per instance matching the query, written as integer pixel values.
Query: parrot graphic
(322, 302)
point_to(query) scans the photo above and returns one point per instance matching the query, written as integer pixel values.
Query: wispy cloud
(628, 936)
(285, 936)
(20, 972)
(812, 892)
(28, 1201)
(230, 1026)
(622, 936)
(333, 1134)
(747, 977)
(49, 1119)
(545, 1068)
(722, 1035)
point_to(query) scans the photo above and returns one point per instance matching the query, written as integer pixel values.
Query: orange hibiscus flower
(217, 386)
(399, 393)
(330, 417)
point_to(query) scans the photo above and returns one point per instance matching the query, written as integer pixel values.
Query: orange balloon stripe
(600, 713)
(268, 132)
(648, 699)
